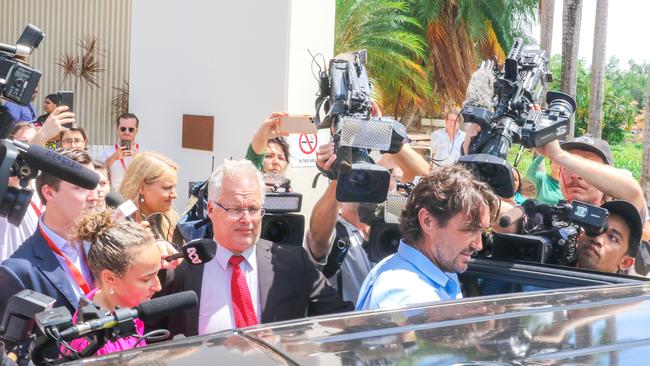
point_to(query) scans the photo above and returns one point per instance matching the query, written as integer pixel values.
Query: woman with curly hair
(124, 260)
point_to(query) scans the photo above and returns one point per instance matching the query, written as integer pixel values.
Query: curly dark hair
(446, 192)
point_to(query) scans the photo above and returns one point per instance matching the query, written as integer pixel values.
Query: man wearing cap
(613, 251)
(587, 173)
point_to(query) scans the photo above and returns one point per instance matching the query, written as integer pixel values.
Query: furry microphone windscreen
(480, 89)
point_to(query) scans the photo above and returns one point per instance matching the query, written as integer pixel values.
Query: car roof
(588, 325)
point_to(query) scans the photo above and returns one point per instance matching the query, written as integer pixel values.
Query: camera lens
(277, 230)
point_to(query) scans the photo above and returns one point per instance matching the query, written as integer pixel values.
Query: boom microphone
(147, 311)
(51, 162)
(480, 88)
(197, 251)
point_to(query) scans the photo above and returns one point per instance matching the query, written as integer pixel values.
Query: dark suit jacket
(35, 267)
(290, 288)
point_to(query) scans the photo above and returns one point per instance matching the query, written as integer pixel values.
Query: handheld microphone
(197, 251)
(124, 209)
(147, 311)
(51, 162)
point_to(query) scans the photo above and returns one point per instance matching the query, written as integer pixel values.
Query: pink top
(118, 345)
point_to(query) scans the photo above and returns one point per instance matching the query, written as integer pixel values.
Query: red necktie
(242, 304)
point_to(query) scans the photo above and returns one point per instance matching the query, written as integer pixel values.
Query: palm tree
(598, 70)
(460, 33)
(546, 14)
(645, 173)
(396, 50)
(571, 17)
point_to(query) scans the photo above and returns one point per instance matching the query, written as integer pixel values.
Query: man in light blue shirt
(441, 228)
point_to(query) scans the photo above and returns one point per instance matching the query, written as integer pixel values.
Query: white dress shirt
(215, 309)
(11, 237)
(73, 254)
(445, 151)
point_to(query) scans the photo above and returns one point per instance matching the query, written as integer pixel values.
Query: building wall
(236, 61)
(65, 22)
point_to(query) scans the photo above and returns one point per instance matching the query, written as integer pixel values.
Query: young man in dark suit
(250, 280)
(48, 262)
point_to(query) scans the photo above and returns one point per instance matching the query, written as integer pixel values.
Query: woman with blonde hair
(124, 260)
(150, 182)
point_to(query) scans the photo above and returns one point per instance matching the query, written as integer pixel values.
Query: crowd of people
(71, 247)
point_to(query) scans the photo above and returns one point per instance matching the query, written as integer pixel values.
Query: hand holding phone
(294, 123)
(125, 146)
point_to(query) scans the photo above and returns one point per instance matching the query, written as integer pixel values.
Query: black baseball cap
(631, 216)
(590, 143)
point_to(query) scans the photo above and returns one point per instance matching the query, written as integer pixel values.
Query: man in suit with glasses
(117, 157)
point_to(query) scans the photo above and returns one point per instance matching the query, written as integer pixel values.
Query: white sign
(303, 147)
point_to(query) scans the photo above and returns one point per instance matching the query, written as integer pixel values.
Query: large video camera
(501, 103)
(280, 223)
(550, 232)
(385, 233)
(346, 95)
(17, 80)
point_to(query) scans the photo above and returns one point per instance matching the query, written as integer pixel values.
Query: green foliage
(629, 156)
(393, 40)
(624, 93)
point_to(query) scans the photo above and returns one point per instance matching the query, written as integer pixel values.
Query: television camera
(281, 224)
(345, 93)
(550, 232)
(502, 103)
(17, 80)
(385, 234)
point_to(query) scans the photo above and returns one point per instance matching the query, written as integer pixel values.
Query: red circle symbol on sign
(307, 143)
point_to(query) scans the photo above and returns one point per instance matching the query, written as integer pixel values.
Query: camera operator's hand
(552, 151)
(54, 124)
(325, 156)
(471, 130)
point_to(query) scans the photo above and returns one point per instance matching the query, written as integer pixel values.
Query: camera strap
(337, 255)
(76, 274)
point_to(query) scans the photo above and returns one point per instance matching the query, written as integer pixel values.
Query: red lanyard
(137, 148)
(37, 210)
(78, 277)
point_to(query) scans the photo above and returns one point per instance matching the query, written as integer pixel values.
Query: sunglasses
(131, 129)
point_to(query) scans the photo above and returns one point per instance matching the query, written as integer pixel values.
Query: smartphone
(298, 123)
(126, 144)
(66, 98)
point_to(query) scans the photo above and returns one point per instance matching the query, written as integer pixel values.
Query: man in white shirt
(48, 262)
(118, 157)
(447, 142)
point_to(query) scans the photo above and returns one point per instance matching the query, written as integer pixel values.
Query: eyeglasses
(131, 129)
(237, 212)
(76, 141)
